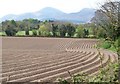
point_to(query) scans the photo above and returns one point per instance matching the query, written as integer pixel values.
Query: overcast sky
(23, 6)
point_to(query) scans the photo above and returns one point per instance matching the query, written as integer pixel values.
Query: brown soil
(46, 59)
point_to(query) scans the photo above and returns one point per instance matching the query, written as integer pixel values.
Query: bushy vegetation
(27, 32)
(11, 31)
(34, 32)
(44, 28)
(107, 75)
(106, 45)
(51, 29)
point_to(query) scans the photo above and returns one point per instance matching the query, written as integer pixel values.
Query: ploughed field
(35, 59)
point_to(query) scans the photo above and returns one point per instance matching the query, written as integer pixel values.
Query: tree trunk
(119, 41)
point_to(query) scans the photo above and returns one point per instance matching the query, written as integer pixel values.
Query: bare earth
(36, 59)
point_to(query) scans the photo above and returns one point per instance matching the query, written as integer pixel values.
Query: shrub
(11, 31)
(107, 75)
(34, 32)
(27, 32)
(106, 45)
(39, 32)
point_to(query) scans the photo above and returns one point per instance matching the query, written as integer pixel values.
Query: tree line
(44, 28)
(50, 28)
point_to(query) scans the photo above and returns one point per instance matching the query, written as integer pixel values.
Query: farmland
(46, 59)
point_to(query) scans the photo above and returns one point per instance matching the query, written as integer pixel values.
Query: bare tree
(108, 18)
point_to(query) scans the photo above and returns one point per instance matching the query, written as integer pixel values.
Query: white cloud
(22, 6)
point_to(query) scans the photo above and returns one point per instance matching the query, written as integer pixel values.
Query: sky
(24, 6)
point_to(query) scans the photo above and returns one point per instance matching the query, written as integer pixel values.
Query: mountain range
(50, 13)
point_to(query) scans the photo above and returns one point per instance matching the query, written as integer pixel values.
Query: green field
(2, 33)
(19, 33)
(22, 33)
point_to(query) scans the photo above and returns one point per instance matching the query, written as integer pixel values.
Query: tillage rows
(47, 59)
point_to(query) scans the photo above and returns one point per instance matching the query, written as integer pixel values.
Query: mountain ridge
(83, 15)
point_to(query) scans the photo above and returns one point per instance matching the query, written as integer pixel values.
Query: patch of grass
(112, 48)
(20, 33)
(107, 45)
(2, 34)
(30, 33)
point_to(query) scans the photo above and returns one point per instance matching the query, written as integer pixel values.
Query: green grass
(30, 33)
(20, 33)
(107, 45)
(2, 33)
(112, 48)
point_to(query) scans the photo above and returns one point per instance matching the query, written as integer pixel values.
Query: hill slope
(47, 13)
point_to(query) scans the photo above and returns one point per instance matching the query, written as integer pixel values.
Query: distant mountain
(49, 13)
(8, 17)
(85, 15)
